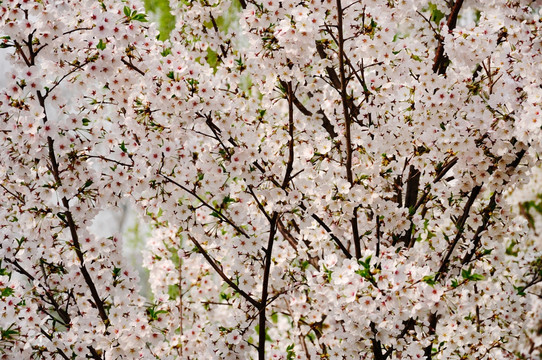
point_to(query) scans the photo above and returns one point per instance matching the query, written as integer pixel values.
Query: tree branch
(460, 228)
(348, 124)
(224, 277)
(441, 60)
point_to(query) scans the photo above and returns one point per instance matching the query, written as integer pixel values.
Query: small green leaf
(140, 17)
(127, 11)
(8, 333)
(101, 45)
(7, 291)
(166, 52)
(469, 275)
(123, 147)
(486, 251)
(510, 250)
(290, 353)
(429, 279)
(436, 14)
(86, 122)
(520, 290)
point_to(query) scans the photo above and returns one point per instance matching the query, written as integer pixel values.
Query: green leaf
(469, 275)
(477, 277)
(101, 45)
(87, 183)
(123, 147)
(86, 122)
(127, 11)
(7, 291)
(429, 279)
(436, 14)
(140, 17)
(8, 333)
(290, 353)
(486, 251)
(510, 249)
(520, 290)
(228, 200)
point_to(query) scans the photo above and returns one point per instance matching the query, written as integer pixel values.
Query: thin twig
(224, 277)
(206, 204)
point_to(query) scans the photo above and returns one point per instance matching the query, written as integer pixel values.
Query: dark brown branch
(286, 235)
(98, 302)
(65, 318)
(330, 232)
(86, 275)
(445, 169)
(293, 243)
(296, 101)
(265, 286)
(260, 206)
(413, 184)
(325, 121)
(477, 235)
(314, 216)
(411, 197)
(433, 320)
(290, 164)
(224, 277)
(74, 69)
(19, 50)
(18, 197)
(377, 346)
(206, 204)
(488, 210)
(77, 29)
(378, 235)
(215, 27)
(441, 60)
(94, 353)
(333, 77)
(327, 124)
(460, 228)
(59, 351)
(101, 157)
(348, 124)
(132, 66)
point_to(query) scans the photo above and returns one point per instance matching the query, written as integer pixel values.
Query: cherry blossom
(322, 179)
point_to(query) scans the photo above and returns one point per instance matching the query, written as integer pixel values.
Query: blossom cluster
(323, 179)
